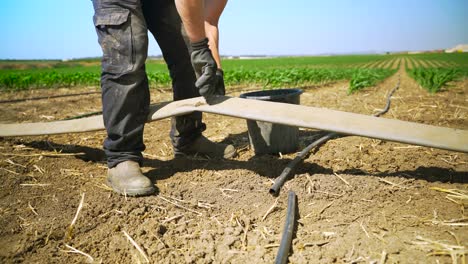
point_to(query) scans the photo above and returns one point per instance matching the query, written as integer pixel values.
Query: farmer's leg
(164, 23)
(122, 34)
(186, 131)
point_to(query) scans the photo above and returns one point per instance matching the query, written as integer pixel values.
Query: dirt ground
(359, 200)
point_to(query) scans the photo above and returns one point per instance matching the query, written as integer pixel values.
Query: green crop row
(287, 77)
(152, 65)
(23, 81)
(268, 78)
(266, 72)
(368, 77)
(343, 61)
(359, 78)
(41, 80)
(433, 79)
(459, 59)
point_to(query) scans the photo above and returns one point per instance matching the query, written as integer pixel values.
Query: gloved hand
(205, 68)
(220, 88)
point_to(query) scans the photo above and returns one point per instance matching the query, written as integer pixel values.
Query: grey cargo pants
(122, 28)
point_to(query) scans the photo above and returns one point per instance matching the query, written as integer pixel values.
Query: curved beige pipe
(286, 114)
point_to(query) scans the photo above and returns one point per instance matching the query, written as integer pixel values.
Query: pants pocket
(114, 32)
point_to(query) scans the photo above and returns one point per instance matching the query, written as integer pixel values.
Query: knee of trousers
(122, 35)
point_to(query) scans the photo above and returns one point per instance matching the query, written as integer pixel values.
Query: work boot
(204, 146)
(126, 179)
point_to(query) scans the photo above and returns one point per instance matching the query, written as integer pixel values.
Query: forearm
(213, 41)
(209, 79)
(213, 10)
(192, 14)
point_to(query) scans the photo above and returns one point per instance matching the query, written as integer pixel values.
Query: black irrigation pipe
(279, 181)
(44, 97)
(275, 189)
(286, 238)
(389, 97)
(83, 115)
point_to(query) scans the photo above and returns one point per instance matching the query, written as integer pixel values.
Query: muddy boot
(204, 146)
(126, 179)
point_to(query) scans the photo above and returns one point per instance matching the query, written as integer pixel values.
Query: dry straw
(438, 248)
(275, 204)
(69, 233)
(76, 251)
(457, 196)
(140, 250)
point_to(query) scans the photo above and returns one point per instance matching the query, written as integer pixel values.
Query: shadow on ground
(269, 166)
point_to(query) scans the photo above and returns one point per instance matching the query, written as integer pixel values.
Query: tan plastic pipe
(286, 114)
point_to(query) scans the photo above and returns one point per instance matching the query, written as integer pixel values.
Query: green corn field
(433, 79)
(431, 71)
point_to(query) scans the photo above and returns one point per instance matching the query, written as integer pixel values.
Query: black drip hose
(275, 189)
(389, 97)
(84, 115)
(286, 238)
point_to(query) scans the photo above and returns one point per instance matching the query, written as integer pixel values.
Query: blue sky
(59, 29)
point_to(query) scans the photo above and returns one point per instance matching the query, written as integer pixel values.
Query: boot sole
(132, 192)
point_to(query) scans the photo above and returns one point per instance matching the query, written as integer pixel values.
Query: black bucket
(268, 138)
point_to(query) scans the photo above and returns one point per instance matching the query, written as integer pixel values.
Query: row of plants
(433, 79)
(386, 64)
(456, 59)
(368, 77)
(268, 78)
(23, 81)
(361, 71)
(435, 71)
(51, 80)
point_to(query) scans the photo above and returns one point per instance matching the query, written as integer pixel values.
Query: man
(122, 28)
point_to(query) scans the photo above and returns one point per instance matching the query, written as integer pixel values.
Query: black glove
(205, 68)
(220, 88)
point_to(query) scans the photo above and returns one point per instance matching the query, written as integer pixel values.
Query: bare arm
(192, 15)
(213, 10)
